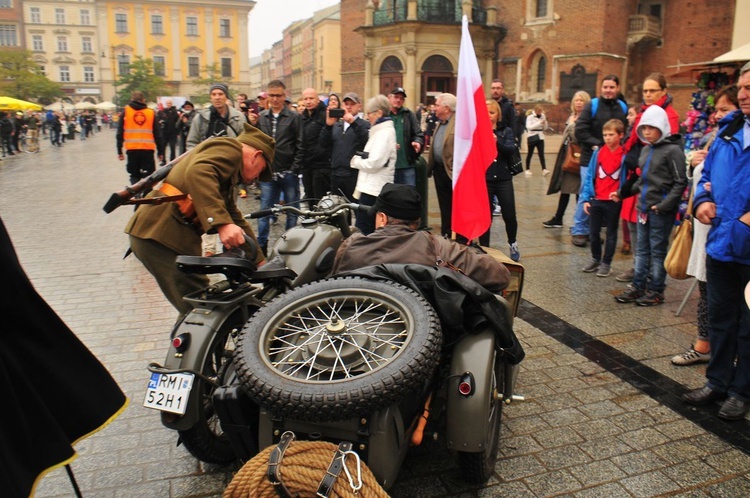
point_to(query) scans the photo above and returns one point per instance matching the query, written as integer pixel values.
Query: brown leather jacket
(400, 244)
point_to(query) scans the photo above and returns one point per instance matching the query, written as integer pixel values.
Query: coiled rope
(303, 467)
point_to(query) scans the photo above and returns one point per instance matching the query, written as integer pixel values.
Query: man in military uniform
(209, 175)
(138, 132)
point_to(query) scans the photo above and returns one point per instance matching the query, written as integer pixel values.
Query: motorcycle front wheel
(338, 348)
(205, 440)
(478, 467)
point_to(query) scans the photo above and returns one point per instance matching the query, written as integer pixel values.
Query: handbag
(572, 162)
(678, 255)
(515, 165)
(532, 140)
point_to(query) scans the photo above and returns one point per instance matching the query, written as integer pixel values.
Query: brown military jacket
(400, 244)
(209, 175)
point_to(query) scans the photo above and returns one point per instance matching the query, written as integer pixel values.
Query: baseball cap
(353, 97)
(399, 89)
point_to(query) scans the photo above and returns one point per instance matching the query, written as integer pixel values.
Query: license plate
(168, 392)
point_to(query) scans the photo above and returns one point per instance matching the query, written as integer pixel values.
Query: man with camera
(344, 134)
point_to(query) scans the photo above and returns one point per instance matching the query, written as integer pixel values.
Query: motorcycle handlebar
(357, 208)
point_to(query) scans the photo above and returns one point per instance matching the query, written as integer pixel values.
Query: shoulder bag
(515, 164)
(678, 256)
(572, 162)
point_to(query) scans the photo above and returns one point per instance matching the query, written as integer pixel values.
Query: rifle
(126, 195)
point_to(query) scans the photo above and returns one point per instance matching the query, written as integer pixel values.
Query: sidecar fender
(466, 424)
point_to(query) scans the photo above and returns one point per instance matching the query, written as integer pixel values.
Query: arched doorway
(391, 74)
(437, 78)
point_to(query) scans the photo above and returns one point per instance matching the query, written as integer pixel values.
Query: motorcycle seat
(228, 266)
(273, 269)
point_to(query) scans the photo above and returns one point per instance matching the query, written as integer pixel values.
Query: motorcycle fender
(202, 325)
(466, 428)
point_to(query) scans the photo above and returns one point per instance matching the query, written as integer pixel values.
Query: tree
(21, 77)
(213, 75)
(140, 77)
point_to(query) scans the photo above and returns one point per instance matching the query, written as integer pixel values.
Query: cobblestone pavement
(601, 416)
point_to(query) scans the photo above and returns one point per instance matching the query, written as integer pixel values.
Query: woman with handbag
(500, 179)
(700, 351)
(536, 122)
(566, 177)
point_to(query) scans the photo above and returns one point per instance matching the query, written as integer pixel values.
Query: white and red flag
(474, 146)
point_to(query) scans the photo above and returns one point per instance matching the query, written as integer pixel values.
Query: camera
(336, 113)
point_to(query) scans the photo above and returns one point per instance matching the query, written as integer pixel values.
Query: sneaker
(604, 271)
(545, 172)
(243, 193)
(580, 240)
(497, 211)
(651, 298)
(515, 254)
(552, 223)
(625, 248)
(626, 276)
(630, 295)
(592, 266)
(528, 172)
(690, 357)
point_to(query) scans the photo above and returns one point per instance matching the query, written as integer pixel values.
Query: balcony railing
(643, 28)
(432, 12)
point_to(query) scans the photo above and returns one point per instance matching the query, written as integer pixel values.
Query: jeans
(366, 222)
(270, 193)
(406, 176)
(580, 218)
(729, 328)
(503, 189)
(653, 240)
(605, 213)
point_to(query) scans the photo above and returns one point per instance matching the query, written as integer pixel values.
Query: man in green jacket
(409, 136)
(209, 175)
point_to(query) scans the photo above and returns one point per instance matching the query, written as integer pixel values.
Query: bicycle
(29, 144)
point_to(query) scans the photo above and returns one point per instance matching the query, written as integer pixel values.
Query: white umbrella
(106, 106)
(84, 105)
(59, 106)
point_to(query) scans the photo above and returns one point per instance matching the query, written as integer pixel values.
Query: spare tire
(338, 348)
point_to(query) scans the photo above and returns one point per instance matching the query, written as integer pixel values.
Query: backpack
(595, 106)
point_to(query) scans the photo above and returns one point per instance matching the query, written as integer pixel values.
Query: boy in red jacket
(604, 178)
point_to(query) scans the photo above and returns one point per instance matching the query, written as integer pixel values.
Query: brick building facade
(547, 49)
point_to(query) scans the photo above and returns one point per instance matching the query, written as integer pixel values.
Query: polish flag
(474, 146)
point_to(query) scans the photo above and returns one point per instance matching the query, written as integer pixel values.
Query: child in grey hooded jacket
(659, 188)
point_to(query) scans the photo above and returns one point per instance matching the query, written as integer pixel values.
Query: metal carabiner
(358, 486)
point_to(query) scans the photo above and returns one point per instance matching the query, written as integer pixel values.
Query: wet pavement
(601, 418)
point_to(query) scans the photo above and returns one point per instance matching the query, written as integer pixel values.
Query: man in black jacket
(167, 119)
(343, 137)
(409, 136)
(285, 126)
(316, 161)
(589, 135)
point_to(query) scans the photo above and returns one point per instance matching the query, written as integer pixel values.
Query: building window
(224, 28)
(62, 44)
(6, 4)
(37, 43)
(59, 16)
(121, 23)
(192, 26)
(541, 74)
(35, 15)
(123, 64)
(65, 74)
(226, 67)
(85, 17)
(43, 70)
(157, 26)
(193, 67)
(8, 37)
(86, 45)
(651, 8)
(88, 74)
(541, 8)
(159, 65)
